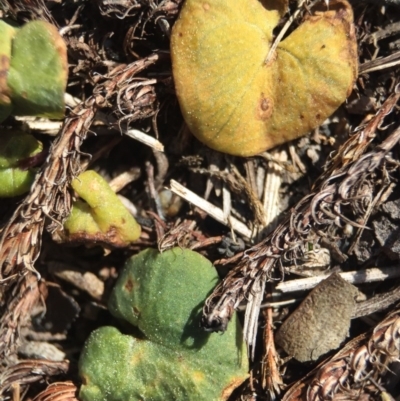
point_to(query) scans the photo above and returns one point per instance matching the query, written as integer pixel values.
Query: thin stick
(210, 209)
(355, 277)
(283, 31)
(146, 139)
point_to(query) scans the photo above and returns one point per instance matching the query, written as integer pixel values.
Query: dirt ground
(327, 202)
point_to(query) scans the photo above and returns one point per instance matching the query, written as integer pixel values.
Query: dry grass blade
(64, 391)
(380, 63)
(346, 187)
(30, 371)
(272, 381)
(354, 371)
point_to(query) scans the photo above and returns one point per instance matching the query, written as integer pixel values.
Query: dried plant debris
(349, 185)
(50, 196)
(122, 114)
(30, 371)
(321, 322)
(49, 201)
(59, 391)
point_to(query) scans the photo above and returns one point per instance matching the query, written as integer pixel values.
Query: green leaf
(15, 146)
(15, 182)
(38, 71)
(162, 294)
(102, 217)
(7, 33)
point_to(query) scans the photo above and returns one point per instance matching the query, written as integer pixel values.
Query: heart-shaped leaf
(173, 359)
(236, 102)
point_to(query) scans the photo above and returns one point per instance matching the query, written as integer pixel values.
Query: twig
(124, 179)
(355, 277)
(272, 381)
(273, 181)
(210, 209)
(380, 63)
(145, 139)
(283, 31)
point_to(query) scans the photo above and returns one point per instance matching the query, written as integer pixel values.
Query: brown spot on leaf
(129, 285)
(265, 107)
(4, 90)
(84, 379)
(206, 6)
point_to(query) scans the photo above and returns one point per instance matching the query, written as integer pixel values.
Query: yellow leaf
(235, 102)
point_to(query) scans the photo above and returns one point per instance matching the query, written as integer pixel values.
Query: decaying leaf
(234, 101)
(321, 322)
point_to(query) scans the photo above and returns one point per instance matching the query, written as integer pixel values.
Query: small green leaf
(15, 146)
(7, 33)
(15, 182)
(102, 217)
(38, 71)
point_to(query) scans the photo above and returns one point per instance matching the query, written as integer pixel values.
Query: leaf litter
(334, 193)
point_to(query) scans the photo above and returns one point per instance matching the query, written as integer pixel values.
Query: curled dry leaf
(358, 371)
(236, 102)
